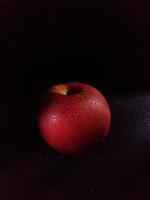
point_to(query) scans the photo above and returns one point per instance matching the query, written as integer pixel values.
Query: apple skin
(73, 116)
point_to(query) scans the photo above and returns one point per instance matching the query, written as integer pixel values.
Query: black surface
(117, 169)
(113, 38)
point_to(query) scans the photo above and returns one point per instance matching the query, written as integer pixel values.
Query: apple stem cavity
(64, 90)
(72, 91)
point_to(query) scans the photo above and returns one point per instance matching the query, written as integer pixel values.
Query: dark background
(48, 42)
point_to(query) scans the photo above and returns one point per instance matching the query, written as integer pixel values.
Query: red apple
(73, 116)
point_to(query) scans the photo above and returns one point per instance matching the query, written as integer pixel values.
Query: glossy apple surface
(73, 116)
